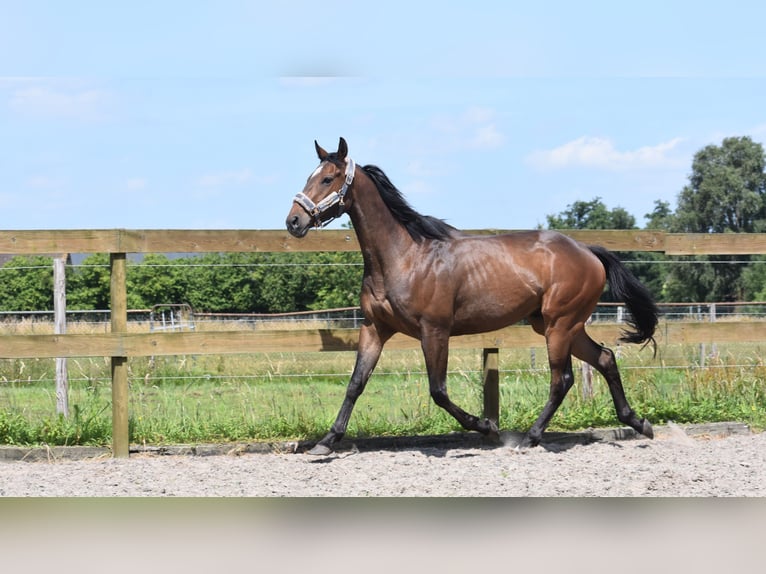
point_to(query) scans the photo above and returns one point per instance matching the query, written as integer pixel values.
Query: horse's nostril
(294, 225)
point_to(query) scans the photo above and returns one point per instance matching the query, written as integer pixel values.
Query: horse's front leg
(370, 346)
(435, 345)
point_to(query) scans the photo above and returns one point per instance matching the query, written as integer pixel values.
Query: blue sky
(150, 115)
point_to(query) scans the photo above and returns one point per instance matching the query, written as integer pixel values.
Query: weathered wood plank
(613, 239)
(119, 325)
(679, 333)
(620, 240)
(234, 240)
(715, 243)
(26, 242)
(59, 328)
(315, 340)
(491, 384)
(178, 343)
(246, 240)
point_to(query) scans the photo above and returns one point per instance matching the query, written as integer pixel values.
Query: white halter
(315, 210)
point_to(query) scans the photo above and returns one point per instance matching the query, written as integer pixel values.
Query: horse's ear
(342, 149)
(320, 152)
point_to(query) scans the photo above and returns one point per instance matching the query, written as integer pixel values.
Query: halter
(315, 210)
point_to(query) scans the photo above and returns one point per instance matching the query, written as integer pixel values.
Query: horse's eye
(327, 180)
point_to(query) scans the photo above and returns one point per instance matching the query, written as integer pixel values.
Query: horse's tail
(626, 288)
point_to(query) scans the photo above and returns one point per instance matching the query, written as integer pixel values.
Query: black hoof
(320, 450)
(646, 429)
(529, 441)
(489, 429)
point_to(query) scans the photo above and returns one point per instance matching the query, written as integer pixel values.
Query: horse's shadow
(462, 445)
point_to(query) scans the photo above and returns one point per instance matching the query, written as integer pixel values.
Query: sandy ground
(673, 465)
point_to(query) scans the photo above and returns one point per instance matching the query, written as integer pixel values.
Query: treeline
(218, 283)
(726, 193)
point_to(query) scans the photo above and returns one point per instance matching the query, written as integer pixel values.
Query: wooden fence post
(59, 328)
(714, 345)
(119, 318)
(587, 371)
(491, 384)
(587, 380)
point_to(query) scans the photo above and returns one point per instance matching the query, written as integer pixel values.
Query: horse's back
(504, 278)
(544, 254)
(557, 259)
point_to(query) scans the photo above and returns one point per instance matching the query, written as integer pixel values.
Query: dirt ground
(675, 464)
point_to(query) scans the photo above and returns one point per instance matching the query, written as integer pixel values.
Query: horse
(426, 279)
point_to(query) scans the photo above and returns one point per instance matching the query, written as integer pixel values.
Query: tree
(285, 282)
(725, 194)
(591, 215)
(221, 283)
(661, 217)
(26, 283)
(156, 280)
(88, 283)
(754, 280)
(339, 280)
(726, 189)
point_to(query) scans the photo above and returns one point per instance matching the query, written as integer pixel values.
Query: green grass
(287, 397)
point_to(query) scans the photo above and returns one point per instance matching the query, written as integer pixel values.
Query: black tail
(626, 288)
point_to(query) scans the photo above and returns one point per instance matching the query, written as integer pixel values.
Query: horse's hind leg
(370, 346)
(562, 379)
(436, 350)
(603, 360)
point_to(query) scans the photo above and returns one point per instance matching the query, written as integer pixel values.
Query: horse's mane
(418, 226)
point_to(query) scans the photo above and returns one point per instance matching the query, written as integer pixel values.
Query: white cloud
(601, 153)
(473, 129)
(486, 137)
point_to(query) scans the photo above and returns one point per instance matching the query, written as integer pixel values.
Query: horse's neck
(382, 239)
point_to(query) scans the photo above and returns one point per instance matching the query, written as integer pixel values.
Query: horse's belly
(484, 320)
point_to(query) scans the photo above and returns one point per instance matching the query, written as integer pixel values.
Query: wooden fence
(121, 345)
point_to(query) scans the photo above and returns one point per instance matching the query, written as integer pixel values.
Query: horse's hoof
(527, 442)
(490, 431)
(646, 429)
(320, 450)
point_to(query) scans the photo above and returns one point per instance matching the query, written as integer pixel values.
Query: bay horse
(424, 278)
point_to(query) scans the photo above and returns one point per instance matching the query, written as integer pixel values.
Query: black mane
(418, 226)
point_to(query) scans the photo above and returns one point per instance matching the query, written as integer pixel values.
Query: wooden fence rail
(27, 242)
(121, 345)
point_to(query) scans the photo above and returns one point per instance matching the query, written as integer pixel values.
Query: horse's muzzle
(297, 225)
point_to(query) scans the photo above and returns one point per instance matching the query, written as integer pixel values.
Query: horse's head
(324, 196)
